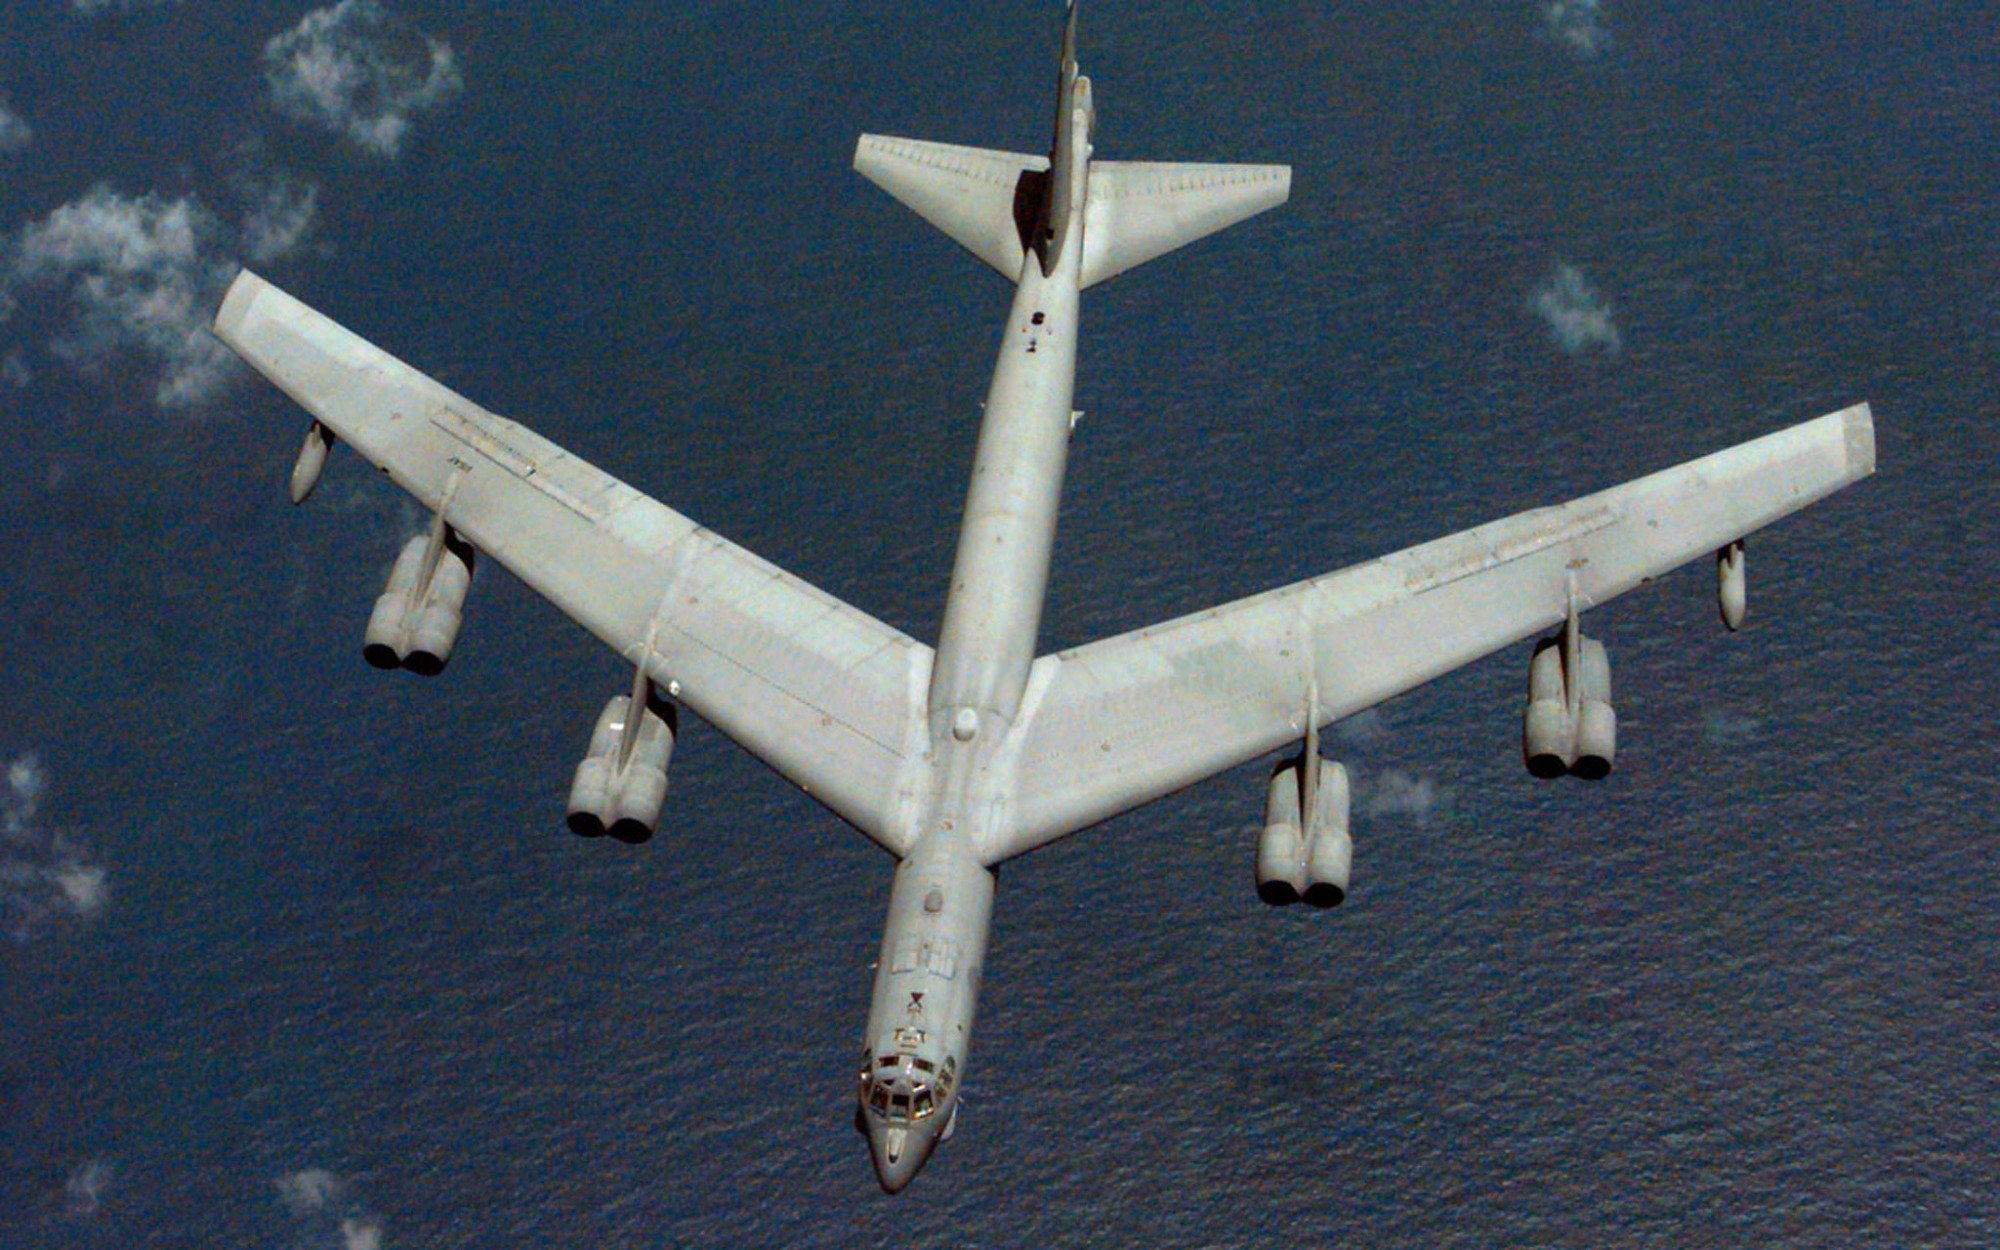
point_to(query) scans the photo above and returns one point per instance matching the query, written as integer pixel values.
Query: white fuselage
(934, 947)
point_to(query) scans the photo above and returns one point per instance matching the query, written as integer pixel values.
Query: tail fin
(988, 201)
(1138, 210)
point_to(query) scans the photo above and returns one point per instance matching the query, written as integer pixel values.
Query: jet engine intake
(621, 785)
(416, 620)
(1569, 725)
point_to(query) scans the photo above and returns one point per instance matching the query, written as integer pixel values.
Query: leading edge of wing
(1120, 722)
(824, 693)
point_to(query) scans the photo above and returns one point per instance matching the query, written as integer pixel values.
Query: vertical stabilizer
(1069, 153)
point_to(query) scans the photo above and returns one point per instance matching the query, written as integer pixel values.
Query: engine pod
(1281, 849)
(1548, 738)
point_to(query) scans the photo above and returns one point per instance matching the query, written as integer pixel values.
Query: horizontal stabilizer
(1142, 209)
(986, 200)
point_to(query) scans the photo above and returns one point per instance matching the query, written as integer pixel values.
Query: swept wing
(1109, 726)
(827, 695)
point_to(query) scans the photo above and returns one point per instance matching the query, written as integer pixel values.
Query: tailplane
(987, 201)
(1000, 205)
(1138, 210)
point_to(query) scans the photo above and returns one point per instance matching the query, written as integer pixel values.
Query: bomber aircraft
(957, 758)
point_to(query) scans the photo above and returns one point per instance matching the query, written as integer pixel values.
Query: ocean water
(299, 956)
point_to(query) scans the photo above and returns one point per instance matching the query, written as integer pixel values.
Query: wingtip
(1859, 425)
(235, 307)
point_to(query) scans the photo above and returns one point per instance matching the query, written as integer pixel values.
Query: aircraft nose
(899, 1153)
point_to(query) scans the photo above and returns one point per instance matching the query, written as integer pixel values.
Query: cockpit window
(907, 1087)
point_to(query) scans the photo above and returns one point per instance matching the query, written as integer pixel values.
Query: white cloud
(1576, 314)
(15, 134)
(360, 72)
(310, 1191)
(84, 1191)
(283, 216)
(91, 8)
(143, 275)
(45, 876)
(327, 1213)
(360, 1235)
(1363, 727)
(1398, 793)
(1579, 24)
(1724, 729)
(26, 780)
(82, 887)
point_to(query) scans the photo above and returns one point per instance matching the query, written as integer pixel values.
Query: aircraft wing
(1109, 726)
(830, 697)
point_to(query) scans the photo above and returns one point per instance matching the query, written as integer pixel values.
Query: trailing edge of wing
(830, 697)
(1109, 726)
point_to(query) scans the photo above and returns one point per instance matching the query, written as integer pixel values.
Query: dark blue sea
(294, 953)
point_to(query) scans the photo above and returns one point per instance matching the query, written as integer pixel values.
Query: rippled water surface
(334, 973)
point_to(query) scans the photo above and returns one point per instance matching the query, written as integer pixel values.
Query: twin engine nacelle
(1570, 726)
(1305, 851)
(621, 785)
(417, 618)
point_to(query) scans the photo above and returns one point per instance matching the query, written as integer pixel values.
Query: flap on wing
(985, 199)
(827, 695)
(1139, 210)
(1109, 726)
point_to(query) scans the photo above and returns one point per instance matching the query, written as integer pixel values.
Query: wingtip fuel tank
(1731, 590)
